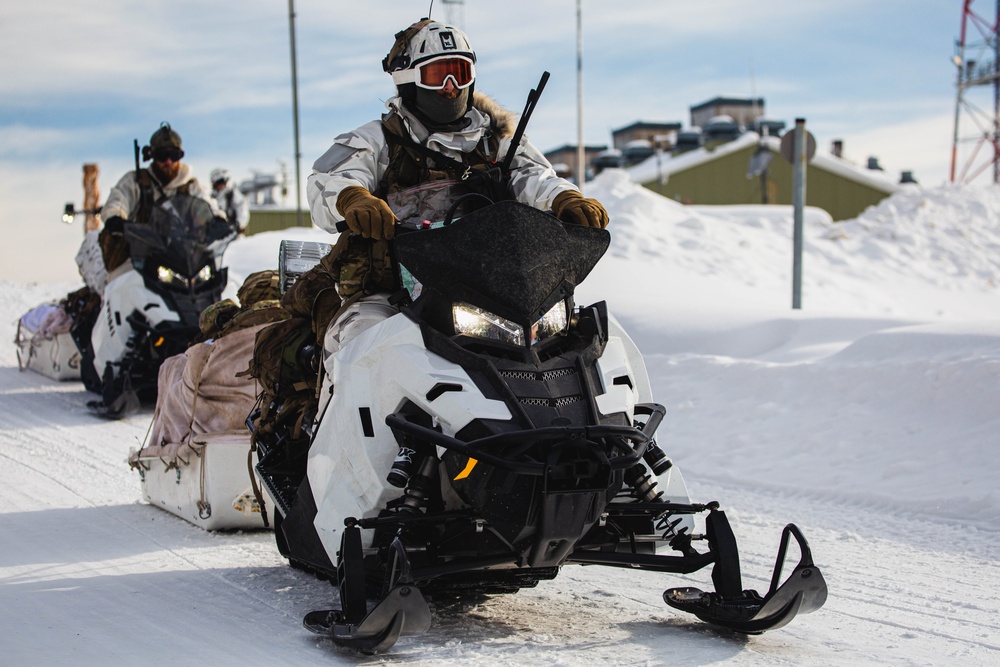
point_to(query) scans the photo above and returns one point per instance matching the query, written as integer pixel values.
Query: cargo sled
(44, 344)
(195, 462)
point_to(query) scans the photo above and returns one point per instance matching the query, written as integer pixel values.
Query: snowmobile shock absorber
(420, 487)
(642, 483)
(656, 458)
(408, 459)
(402, 467)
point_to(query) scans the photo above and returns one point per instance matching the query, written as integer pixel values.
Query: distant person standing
(230, 199)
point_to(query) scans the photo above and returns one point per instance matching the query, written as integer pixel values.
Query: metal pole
(958, 110)
(996, 101)
(798, 203)
(295, 117)
(959, 60)
(581, 166)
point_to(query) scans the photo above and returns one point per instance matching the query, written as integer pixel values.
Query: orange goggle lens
(435, 73)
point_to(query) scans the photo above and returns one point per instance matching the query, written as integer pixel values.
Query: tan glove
(571, 206)
(366, 215)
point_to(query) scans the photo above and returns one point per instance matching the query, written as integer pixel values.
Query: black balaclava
(437, 113)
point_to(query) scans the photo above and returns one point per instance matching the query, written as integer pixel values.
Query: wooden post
(91, 196)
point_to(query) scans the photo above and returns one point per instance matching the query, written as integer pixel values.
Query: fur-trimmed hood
(485, 116)
(504, 121)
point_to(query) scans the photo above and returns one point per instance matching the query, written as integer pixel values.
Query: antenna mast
(454, 12)
(977, 60)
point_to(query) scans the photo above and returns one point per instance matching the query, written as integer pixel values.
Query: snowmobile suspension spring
(642, 483)
(669, 527)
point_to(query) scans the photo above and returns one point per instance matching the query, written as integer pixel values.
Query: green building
(731, 173)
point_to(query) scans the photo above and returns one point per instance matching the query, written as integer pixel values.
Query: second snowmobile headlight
(169, 276)
(472, 321)
(202, 276)
(550, 323)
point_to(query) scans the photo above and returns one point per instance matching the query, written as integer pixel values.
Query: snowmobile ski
(746, 611)
(401, 611)
(126, 404)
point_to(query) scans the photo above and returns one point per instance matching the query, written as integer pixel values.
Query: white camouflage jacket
(234, 203)
(361, 157)
(123, 200)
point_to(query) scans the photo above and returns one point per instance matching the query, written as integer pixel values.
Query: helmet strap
(397, 57)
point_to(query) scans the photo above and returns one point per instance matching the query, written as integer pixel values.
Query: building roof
(650, 170)
(647, 125)
(729, 101)
(572, 147)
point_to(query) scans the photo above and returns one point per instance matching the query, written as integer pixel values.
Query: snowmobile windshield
(182, 236)
(511, 259)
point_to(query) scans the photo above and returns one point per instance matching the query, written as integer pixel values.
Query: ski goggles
(164, 154)
(434, 74)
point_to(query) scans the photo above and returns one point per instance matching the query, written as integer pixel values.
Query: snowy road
(90, 575)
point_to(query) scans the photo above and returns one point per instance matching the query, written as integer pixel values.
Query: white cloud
(921, 145)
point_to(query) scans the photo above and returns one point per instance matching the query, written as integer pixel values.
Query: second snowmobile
(151, 304)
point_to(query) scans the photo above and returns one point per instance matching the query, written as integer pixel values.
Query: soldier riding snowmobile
(478, 430)
(162, 245)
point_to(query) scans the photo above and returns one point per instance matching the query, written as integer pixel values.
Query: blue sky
(80, 80)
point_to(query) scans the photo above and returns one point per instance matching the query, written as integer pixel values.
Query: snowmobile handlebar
(70, 212)
(629, 441)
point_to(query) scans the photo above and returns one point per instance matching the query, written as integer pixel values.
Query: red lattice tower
(977, 55)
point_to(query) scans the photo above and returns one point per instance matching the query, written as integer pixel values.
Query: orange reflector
(159, 342)
(468, 469)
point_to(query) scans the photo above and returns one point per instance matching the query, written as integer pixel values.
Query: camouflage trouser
(361, 315)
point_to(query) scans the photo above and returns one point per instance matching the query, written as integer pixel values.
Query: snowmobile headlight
(171, 277)
(168, 276)
(472, 321)
(202, 276)
(550, 323)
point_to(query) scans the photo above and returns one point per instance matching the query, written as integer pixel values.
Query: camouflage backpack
(286, 357)
(258, 304)
(283, 368)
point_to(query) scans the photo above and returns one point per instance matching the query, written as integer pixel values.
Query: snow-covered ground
(871, 418)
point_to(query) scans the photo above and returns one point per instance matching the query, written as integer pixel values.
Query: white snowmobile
(489, 434)
(150, 308)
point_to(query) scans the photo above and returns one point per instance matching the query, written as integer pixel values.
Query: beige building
(566, 155)
(743, 110)
(660, 135)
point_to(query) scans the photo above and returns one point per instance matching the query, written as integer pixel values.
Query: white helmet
(219, 176)
(423, 59)
(425, 40)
